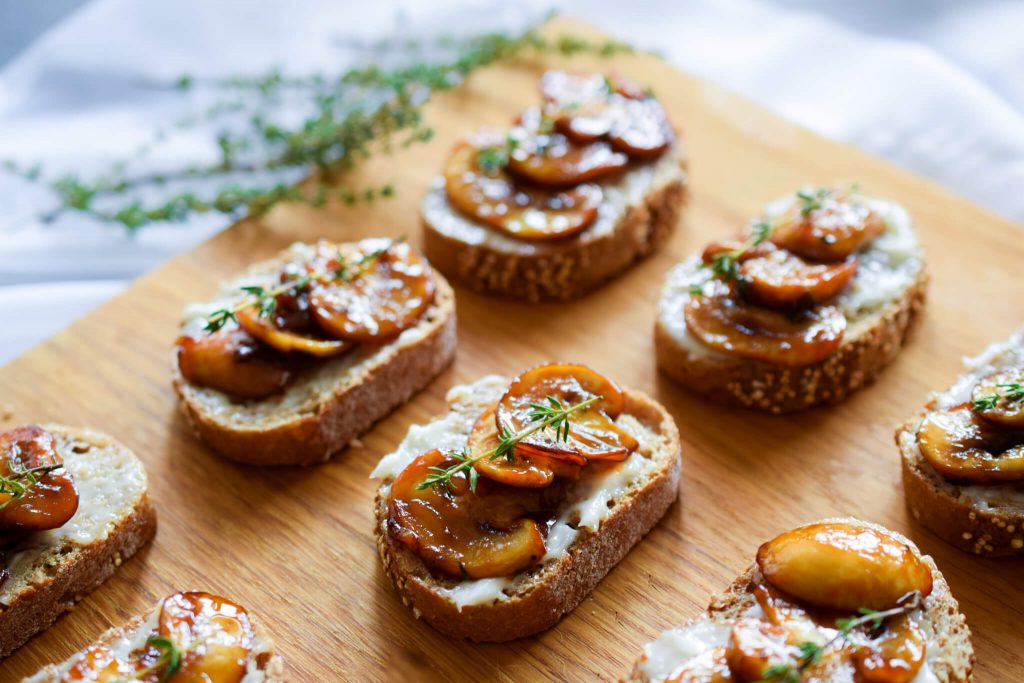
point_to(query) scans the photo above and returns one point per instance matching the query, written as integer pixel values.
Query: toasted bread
(640, 211)
(877, 329)
(949, 653)
(55, 569)
(534, 600)
(328, 405)
(984, 520)
(262, 664)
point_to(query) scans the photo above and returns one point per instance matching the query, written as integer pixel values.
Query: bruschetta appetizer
(838, 601)
(188, 637)
(305, 352)
(73, 507)
(581, 187)
(803, 308)
(496, 519)
(963, 456)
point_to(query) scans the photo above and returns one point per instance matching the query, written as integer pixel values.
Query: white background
(936, 86)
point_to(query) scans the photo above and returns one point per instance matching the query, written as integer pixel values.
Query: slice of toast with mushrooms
(809, 305)
(583, 523)
(191, 636)
(308, 350)
(578, 190)
(963, 455)
(839, 600)
(68, 530)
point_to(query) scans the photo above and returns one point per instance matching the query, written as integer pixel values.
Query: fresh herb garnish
(493, 159)
(19, 481)
(265, 299)
(812, 201)
(811, 653)
(726, 266)
(167, 664)
(1012, 392)
(550, 413)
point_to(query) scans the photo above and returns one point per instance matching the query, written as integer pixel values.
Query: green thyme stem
(543, 416)
(17, 484)
(1013, 392)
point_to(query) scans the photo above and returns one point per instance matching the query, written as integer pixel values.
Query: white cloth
(931, 85)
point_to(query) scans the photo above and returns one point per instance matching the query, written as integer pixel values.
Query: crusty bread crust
(268, 663)
(937, 504)
(955, 663)
(309, 436)
(560, 269)
(864, 352)
(74, 570)
(558, 586)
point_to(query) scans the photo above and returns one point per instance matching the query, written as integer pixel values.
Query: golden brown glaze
(839, 227)
(232, 361)
(47, 504)
(961, 445)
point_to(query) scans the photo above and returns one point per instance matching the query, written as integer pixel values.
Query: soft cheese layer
(110, 483)
(630, 189)
(589, 502)
(887, 269)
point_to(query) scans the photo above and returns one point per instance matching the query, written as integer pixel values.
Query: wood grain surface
(296, 545)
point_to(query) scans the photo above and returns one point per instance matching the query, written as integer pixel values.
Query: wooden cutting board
(296, 545)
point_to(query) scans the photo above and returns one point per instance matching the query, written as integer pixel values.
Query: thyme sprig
(1012, 392)
(726, 266)
(811, 653)
(812, 201)
(265, 299)
(19, 481)
(168, 663)
(551, 413)
(351, 116)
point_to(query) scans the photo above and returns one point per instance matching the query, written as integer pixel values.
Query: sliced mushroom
(783, 280)
(1007, 386)
(838, 227)
(491, 197)
(232, 361)
(461, 532)
(214, 634)
(959, 446)
(385, 294)
(724, 323)
(843, 566)
(48, 503)
(592, 432)
(895, 656)
(529, 470)
(755, 647)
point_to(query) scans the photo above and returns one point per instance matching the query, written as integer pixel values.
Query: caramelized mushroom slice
(385, 294)
(52, 500)
(593, 434)
(1007, 388)
(895, 656)
(233, 362)
(831, 228)
(214, 635)
(641, 128)
(776, 607)
(99, 665)
(459, 532)
(783, 280)
(290, 326)
(491, 197)
(551, 160)
(843, 566)
(523, 469)
(756, 646)
(710, 666)
(725, 324)
(959, 446)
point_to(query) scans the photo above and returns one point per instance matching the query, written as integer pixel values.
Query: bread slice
(624, 504)
(640, 211)
(984, 520)
(52, 570)
(262, 665)
(882, 305)
(949, 653)
(323, 409)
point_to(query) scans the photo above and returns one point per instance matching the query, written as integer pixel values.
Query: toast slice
(52, 570)
(327, 406)
(882, 305)
(949, 654)
(599, 523)
(984, 520)
(262, 665)
(639, 212)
